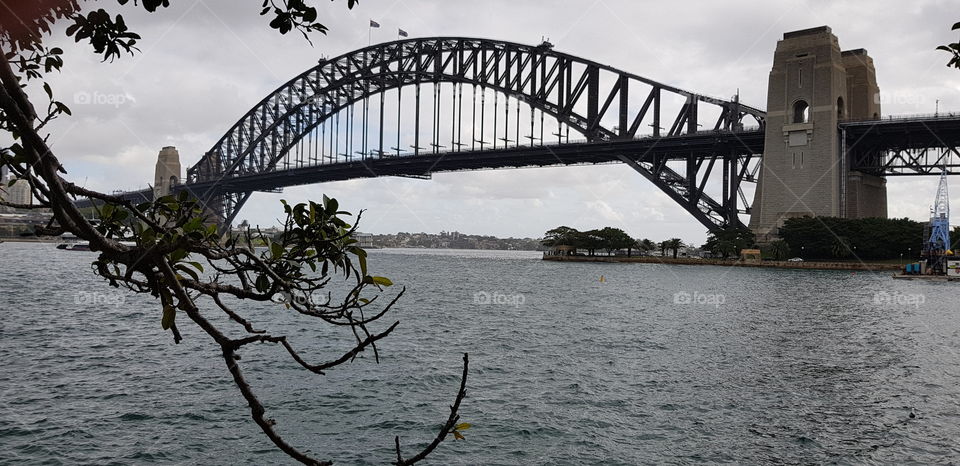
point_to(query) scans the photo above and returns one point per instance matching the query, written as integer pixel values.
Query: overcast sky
(203, 64)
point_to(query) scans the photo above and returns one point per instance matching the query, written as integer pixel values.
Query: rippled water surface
(761, 366)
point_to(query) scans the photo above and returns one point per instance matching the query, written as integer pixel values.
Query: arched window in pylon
(801, 111)
(841, 111)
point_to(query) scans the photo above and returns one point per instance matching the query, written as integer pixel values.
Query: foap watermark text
(698, 298)
(95, 298)
(100, 98)
(898, 299)
(497, 298)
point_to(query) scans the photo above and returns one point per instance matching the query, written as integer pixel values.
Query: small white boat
(74, 246)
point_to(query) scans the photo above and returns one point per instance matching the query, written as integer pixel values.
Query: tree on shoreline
(870, 238)
(609, 239)
(560, 236)
(779, 249)
(841, 247)
(176, 256)
(645, 245)
(615, 239)
(674, 245)
(729, 241)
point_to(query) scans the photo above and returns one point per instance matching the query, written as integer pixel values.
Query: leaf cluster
(296, 15)
(952, 48)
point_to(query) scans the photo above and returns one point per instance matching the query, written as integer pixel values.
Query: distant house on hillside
(365, 240)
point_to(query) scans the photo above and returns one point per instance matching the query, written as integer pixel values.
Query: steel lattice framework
(623, 117)
(903, 146)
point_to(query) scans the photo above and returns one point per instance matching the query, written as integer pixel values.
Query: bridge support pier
(805, 169)
(167, 174)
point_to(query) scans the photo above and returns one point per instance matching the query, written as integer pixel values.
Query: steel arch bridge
(307, 130)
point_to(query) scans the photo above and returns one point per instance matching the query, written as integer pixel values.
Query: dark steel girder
(921, 145)
(651, 154)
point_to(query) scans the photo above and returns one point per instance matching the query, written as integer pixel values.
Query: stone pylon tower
(805, 172)
(167, 173)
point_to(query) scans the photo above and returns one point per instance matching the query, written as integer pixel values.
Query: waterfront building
(365, 240)
(17, 193)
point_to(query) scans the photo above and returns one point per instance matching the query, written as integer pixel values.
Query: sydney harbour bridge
(420, 106)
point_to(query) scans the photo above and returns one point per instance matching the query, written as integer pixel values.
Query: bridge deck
(914, 145)
(651, 149)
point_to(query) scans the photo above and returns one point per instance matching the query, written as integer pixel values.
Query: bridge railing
(561, 140)
(905, 117)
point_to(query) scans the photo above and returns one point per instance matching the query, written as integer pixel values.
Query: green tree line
(865, 238)
(820, 238)
(608, 240)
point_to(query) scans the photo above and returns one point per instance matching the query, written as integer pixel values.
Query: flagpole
(373, 24)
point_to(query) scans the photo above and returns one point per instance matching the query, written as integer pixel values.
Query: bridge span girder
(925, 145)
(699, 158)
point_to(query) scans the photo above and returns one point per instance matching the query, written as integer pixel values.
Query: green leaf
(276, 249)
(187, 271)
(169, 315)
(363, 263)
(263, 283)
(196, 265)
(331, 206)
(193, 224)
(382, 281)
(177, 255)
(63, 108)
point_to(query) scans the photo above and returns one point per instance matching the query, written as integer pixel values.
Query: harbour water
(656, 364)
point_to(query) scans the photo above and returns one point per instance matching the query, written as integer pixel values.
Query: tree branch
(447, 428)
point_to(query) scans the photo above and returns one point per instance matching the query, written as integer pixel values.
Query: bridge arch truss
(351, 109)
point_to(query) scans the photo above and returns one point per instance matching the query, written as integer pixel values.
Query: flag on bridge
(374, 24)
(403, 33)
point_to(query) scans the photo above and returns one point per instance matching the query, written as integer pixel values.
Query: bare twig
(446, 429)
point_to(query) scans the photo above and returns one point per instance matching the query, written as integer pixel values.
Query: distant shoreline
(30, 239)
(867, 267)
(34, 239)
